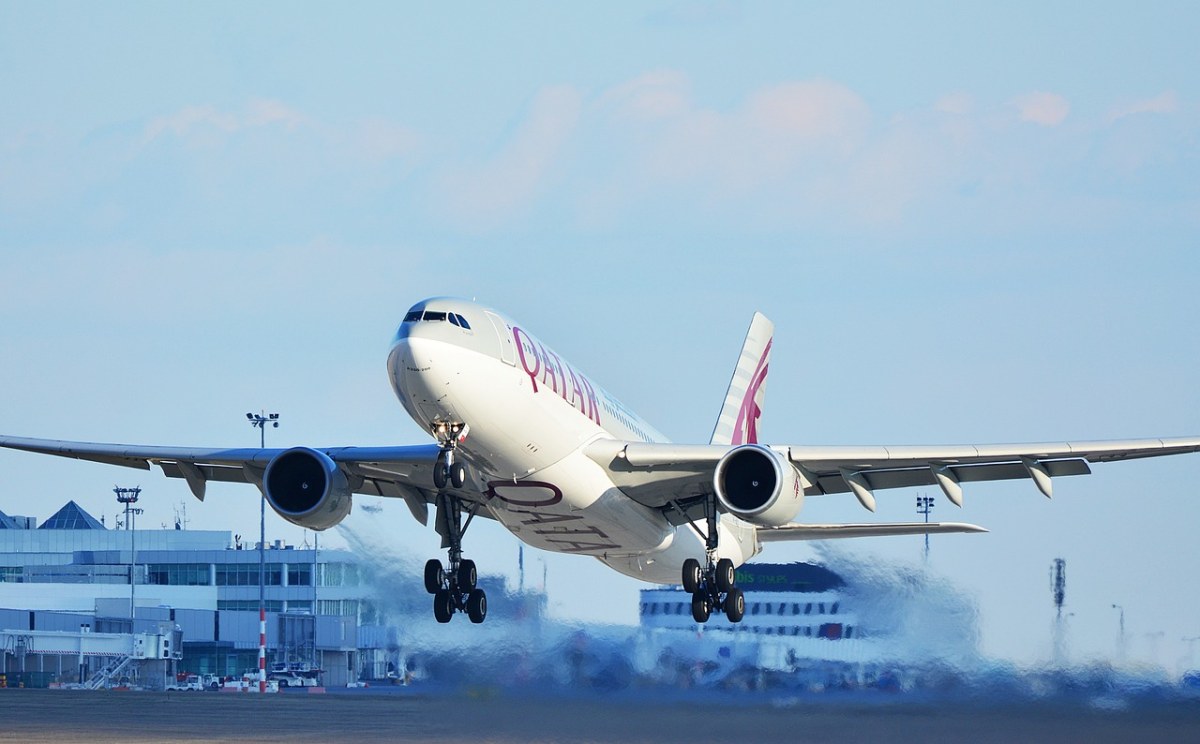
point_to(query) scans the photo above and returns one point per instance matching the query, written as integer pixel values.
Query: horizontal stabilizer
(835, 531)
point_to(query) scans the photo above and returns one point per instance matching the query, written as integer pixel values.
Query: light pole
(260, 422)
(128, 497)
(924, 505)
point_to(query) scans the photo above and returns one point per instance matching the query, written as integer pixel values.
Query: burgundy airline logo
(745, 429)
(556, 375)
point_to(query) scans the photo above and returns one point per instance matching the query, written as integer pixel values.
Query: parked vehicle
(189, 683)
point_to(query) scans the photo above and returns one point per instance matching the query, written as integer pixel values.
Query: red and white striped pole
(262, 649)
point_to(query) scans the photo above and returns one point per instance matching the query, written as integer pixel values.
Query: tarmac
(365, 717)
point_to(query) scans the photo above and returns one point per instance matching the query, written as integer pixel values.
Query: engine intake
(758, 485)
(307, 488)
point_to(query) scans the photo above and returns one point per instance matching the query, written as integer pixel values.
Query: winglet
(738, 422)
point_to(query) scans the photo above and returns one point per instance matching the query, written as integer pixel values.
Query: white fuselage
(530, 414)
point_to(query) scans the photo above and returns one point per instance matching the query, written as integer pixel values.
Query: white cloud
(493, 191)
(1164, 103)
(655, 95)
(261, 113)
(189, 119)
(202, 122)
(666, 135)
(1046, 109)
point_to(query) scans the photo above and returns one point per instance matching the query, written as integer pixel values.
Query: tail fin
(738, 422)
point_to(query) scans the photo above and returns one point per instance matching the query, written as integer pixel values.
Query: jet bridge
(102, 659)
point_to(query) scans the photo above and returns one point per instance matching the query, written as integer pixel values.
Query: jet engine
(307, 488)
(758, 485)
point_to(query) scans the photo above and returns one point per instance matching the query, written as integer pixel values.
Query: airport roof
(6, 522)
(71, 517)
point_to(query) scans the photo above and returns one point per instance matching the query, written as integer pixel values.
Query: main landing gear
(454, 587)
(712, 586)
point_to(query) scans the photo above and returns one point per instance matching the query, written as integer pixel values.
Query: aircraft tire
(434, 576)
(477, 606)
(701, 609)
(458, 475)
(691, 575)
(443, 606)
(468, 576)
(726, 574)
(439, 475)
(735, 605)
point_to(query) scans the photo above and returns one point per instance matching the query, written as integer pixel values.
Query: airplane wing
(675, 478)
(394, 472)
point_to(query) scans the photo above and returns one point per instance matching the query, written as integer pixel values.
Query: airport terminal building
(65, 589)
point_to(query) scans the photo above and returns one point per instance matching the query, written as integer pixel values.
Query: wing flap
(923, 476)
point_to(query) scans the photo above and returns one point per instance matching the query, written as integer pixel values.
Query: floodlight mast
(128, 497)
(260, 421)
(924, 505)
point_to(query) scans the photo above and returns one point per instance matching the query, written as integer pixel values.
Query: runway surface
(37, 716)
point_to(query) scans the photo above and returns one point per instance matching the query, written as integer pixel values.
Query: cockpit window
(417, 315)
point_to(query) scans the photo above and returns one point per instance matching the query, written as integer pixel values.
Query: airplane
(522, 436)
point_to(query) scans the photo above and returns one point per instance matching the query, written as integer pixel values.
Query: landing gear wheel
(701, 608)
(725, 575)
(458, 475)
(477, 606)
(735, 605)
(691, 576)
(435, 577)
(468, 576)
(439, 474)
(443, 606)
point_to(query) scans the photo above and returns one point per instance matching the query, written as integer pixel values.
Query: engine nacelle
(758, 485)
(307, 488)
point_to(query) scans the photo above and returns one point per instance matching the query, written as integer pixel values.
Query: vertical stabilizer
(738, 422)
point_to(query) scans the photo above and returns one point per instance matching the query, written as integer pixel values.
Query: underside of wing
(677, 478)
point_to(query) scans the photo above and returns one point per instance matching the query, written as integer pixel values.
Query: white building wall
(82, 597)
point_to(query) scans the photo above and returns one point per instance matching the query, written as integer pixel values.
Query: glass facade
(338, 574)
(246, 574)
(299, 574)
(249, 605)
(179, 574)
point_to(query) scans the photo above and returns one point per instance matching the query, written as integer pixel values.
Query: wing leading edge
(394, 472)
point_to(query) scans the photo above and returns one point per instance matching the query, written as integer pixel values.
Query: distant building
(800, 618)
(71, 572)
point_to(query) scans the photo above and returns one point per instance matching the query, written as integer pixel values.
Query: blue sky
(970, 223)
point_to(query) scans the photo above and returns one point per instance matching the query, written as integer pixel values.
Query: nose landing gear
(448, 471)
(454, 587)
